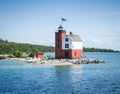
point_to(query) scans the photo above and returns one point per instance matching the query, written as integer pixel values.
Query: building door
(66, 54)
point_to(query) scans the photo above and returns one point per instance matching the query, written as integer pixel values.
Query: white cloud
(96, 40)
(47, 42)
(109, 42)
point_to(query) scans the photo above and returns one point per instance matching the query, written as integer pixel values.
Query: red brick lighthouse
(67, 46)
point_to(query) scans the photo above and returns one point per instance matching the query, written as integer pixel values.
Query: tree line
(10, 48)
(98, 50)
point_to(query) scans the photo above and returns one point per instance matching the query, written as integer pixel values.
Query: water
(25, 78)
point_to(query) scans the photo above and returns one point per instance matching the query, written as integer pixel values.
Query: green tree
(17, 54)
(31, 54)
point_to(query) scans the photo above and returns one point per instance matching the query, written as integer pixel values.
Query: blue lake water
(23, 78)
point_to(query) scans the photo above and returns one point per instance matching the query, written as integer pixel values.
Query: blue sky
(97, 22)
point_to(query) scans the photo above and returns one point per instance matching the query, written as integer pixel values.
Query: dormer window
(66, 39)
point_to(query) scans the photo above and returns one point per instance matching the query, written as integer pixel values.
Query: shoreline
(40, 63)
(56, 62)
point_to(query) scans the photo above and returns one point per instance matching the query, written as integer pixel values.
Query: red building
(38, 55)
(67, 46)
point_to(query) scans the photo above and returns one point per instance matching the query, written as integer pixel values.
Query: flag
(63, 19)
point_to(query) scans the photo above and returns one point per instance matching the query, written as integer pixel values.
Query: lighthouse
(67, 46)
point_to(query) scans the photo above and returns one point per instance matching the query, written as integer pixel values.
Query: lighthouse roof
(60, 29)
(75, 38)
(60, 26)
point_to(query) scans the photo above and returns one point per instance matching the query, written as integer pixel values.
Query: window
(66, 45)
(66, 39)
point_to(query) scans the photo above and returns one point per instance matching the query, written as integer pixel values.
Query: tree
(17, 54)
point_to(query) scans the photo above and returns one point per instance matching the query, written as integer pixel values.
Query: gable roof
(75, 38)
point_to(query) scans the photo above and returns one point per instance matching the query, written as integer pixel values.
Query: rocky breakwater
(64, 61)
